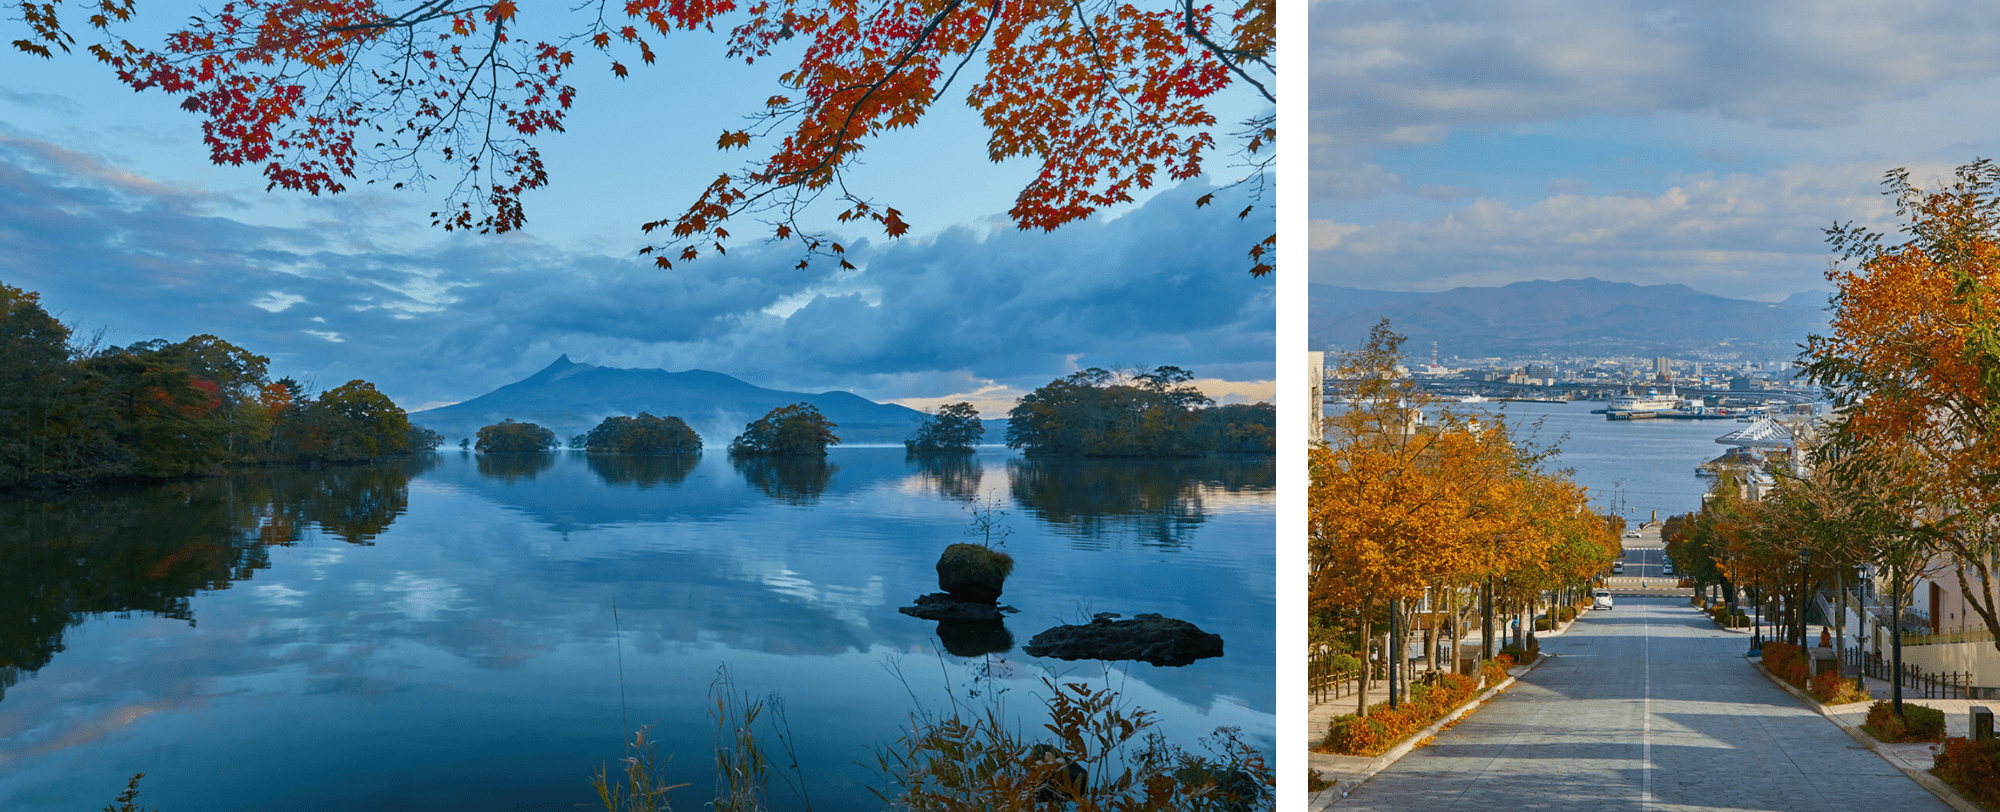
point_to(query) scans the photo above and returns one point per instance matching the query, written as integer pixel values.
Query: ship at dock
(1652, 401)
(1655, 406)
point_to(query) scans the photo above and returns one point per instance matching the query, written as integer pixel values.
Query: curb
(1924, 779)
(1326, 798)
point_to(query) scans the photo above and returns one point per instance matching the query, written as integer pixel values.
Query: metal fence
(1925, 684)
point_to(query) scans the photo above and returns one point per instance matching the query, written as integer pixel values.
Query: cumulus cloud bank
(970, 309)
(1756, 235)
(1465, 142)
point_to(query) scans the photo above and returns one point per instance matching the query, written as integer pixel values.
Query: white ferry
(1653, 401)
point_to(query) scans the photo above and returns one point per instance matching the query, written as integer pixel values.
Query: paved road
(1646, 707)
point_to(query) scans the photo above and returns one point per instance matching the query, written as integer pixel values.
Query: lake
(440, 632)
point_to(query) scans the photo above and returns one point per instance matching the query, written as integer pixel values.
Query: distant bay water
(1632, 467)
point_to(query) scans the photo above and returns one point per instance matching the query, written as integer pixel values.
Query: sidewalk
(1320, 715)
(1957, 717)
(1913, 759)
(1348, 772)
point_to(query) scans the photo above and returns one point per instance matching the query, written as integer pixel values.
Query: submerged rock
(971, 572)
(940, 606)
(1147, 638)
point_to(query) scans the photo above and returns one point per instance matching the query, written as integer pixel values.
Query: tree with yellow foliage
(1402, 504)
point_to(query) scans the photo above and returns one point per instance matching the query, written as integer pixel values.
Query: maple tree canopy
(1108, 95)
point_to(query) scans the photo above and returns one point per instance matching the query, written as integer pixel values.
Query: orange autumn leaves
(1396, 507)
(1109, 98)
(1913, 358)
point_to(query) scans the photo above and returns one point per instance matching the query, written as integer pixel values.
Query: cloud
(1572, 186)
(1324, 234)
(1751, 235)
(456, 316)
(1401, 74)
(45, 101)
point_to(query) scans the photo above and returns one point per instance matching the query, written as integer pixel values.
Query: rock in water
(1147, 638)
(1072, 781)
(939, 606)
(971, 572)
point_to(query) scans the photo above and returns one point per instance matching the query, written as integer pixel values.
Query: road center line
(1646, 717)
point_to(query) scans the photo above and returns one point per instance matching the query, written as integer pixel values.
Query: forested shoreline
(1151, 413)
(74, 414)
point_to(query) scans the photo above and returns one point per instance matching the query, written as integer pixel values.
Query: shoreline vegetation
(1102, 755)
(75, 415)
(1152, 413)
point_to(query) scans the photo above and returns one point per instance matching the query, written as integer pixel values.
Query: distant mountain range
(569, 398)
(1586, 316)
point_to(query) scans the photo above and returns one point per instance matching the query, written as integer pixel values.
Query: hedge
(1383, 728)
(1918, 723)
(1971, 767)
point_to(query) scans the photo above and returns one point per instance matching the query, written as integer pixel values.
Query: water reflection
(954, 476)
(66, 559)
(1161, 502)
(975, 638)
(792, 480)
(644, 471)
(486, 610)
(515, 466)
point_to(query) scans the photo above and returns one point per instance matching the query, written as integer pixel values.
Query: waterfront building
(1316, 387)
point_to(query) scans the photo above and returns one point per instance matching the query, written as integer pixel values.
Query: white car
(1631, 534)
(1600, 599)
(1618, 567)
(1667, 568)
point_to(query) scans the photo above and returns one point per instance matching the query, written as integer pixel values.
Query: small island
(953, 429)
(798, 430)
(644, 435)
(1152, 413)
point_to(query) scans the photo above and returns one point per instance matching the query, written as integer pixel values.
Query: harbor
(1678, 414)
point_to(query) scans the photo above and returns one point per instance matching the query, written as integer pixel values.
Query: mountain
(1586, 316)
(569, 398)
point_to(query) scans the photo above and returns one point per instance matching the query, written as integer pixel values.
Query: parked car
(1631, 534)
(1618, 568)
(1667, 568)
(1600, 599)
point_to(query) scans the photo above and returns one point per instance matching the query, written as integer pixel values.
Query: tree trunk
(1457, 623)
(1367, 664)
(1431, 634)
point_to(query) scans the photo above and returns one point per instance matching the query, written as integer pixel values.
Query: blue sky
(1476, 143)
(110, 209)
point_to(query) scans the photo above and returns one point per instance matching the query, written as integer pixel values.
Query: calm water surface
(440, 633)
(1646, 465)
